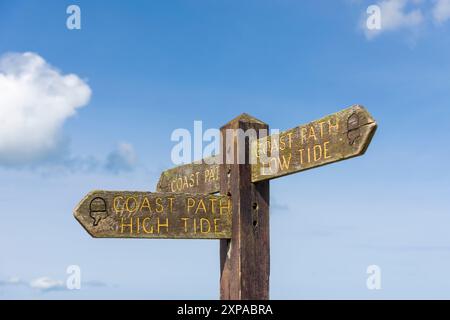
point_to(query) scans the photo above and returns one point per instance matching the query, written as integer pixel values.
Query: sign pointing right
(336, 137)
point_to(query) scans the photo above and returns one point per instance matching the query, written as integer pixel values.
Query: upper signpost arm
(336, 137)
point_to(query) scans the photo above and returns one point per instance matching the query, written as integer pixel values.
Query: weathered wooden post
(244, 259)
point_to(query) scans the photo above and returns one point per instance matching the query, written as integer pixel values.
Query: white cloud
(394, 16)
(441, 11)
(47, 284)
(35, 101)
(13, 281)
(122, 159)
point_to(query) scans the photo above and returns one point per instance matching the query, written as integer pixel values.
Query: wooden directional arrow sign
(197, 177)
(124, 214)
(336, 137)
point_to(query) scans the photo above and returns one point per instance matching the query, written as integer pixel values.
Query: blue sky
(146, 68)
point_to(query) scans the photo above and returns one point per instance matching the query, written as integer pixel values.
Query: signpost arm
(245, 258)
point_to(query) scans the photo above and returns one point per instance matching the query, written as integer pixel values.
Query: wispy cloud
(406, 15)
(47, 284)
(43, 284)
(13, 281)
(441, 11)
(396, 15)
(123, 158)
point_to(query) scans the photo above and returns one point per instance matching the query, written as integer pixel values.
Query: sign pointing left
(125, 214)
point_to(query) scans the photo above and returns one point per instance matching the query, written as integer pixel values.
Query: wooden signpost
(185, 207)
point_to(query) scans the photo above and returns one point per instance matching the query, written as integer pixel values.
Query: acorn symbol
(98, 210)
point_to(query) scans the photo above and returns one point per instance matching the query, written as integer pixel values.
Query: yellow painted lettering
(145, 222)
(190, 204)
(118, 207)
(201, 206)
(164, 225)
(126, 225)
(326, 150)
(202, 225)
(159, 206)
(317, 152)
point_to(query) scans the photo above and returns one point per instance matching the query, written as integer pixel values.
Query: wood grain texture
(336, 137)
(245, 259)
(126, 214)
(200, 177)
